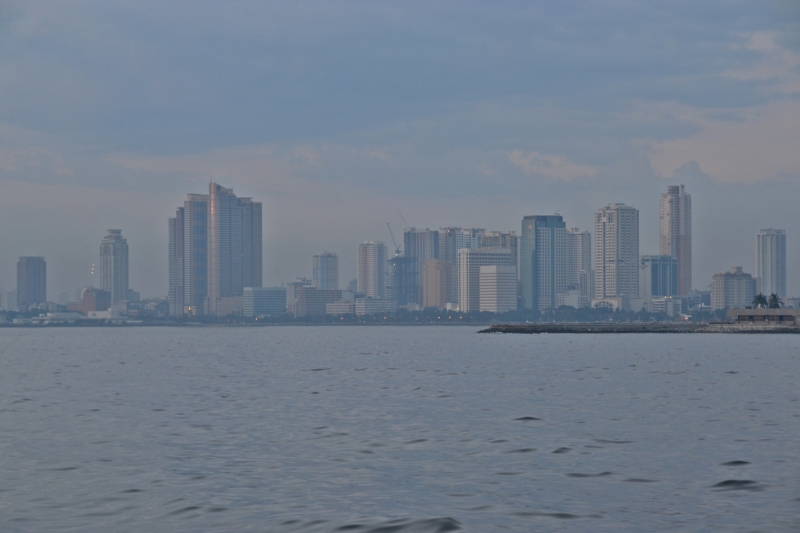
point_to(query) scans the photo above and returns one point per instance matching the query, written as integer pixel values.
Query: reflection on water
(426, 429)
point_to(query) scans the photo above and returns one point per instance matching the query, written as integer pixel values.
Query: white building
(771, 262)
(371, 269)
(325, 271)
(675, 221)
(498, 288)
(616, 256)
(470, 262)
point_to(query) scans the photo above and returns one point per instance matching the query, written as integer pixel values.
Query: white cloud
(554, 166)
(760, 147)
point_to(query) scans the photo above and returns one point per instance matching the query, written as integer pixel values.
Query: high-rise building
(215, 250)
(438, 276)
(675, 218)
(176, 274)
(195, 253)
(420, 245)
(114, 265)
(402, 284)
(771, 262)
(616, 264)
(470, 261)
(451, 240)
(325, 271)
(502, 239)
(498, 288)
(31, 282)
(658, 276)
(580, 275)
(371, 269)
(732, 290)
(292, 290)
(225, 246)
(543, 261)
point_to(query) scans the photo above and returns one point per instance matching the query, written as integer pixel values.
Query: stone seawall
(637, 328)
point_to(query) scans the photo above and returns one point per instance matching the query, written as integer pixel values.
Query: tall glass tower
(675, 220)
(114, 265)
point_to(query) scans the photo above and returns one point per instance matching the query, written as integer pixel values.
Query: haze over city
(341, 117)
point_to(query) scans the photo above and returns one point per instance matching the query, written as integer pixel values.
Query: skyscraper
(675, 217)
(402, 283)
(543, 261)
(215, 251)
(371, 269)
(419, 245)
(325, 270)
(580, 275)
(438, 278)
(771, 262)
(175, 248)
(31, 282)
(114, 265)
(658, 276)
(616, 264)
(470, 261)
(195, 253)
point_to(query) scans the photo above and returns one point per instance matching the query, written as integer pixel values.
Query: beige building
(470, 262)
(734, 289)
(371, 269)
(498, 288)
(439, 284)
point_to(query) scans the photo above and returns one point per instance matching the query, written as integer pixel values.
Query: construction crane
(396, 248)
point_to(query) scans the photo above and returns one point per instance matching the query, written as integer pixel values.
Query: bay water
(396, 429)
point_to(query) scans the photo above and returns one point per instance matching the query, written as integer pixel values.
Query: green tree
(760, 300)
(774, 301)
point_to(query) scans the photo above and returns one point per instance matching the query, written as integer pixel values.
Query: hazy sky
(340, 116)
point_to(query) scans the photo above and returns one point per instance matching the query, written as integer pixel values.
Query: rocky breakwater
(675, 327)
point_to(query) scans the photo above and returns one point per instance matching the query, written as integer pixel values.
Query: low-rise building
(734, 289)
(263, 301)
(371, 306)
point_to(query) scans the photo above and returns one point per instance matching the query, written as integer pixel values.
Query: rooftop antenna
(396, 248)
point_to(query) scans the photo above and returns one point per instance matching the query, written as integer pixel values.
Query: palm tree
(774, 301)
(760, 300)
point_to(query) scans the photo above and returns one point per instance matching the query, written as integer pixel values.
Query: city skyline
(343, 118)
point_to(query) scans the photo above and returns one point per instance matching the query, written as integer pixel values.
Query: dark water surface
(396, 429)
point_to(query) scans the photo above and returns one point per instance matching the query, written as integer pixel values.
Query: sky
(341, 116)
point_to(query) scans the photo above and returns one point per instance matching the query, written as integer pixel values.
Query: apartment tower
(675, 218)
(31, 282)
(771, 262)
(371, 269)
(616, 255)
(325, 270)
(114, 265)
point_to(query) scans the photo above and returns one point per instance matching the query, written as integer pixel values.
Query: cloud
(553, 166)
(761, 146)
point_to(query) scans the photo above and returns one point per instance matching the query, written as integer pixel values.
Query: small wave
(562, 450)
(560, 516)
(429, 525)
(579, 475)
(737, 484)
(527, 418)
(735, 463)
